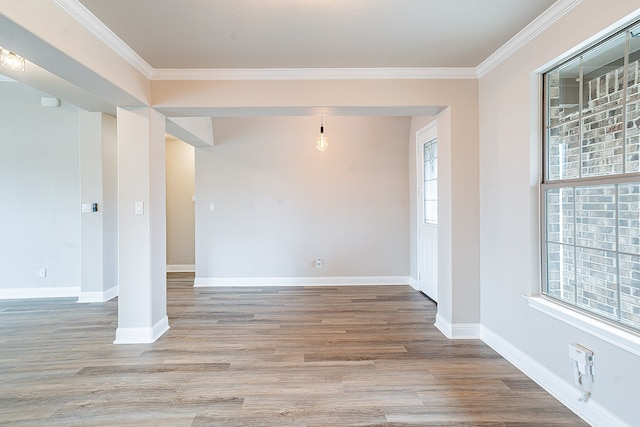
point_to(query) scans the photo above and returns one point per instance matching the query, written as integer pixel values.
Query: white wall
(110, 200)
(98, 184)
(180, 207)
(280, 204)
(509, 170)
(39, 191)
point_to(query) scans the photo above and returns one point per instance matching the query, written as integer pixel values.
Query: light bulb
(322, 143)
(11, 60)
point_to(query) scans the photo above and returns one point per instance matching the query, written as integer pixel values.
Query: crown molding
(595, 38)
(548, 17)
(314, 73)
(97, 28)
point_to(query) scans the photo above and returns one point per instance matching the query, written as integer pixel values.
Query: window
(430, 156)
(591, 185)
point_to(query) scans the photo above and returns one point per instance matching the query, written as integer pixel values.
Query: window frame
(427, 220)
(625, 336)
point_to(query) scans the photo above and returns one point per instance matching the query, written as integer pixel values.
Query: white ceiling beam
(57, 43)
(196, 131)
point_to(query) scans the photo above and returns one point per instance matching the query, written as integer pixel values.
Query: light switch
(89, 207)
(139, 208)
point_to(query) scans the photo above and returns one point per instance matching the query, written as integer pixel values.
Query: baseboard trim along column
(53, 292)
(181, 268)
(142, 335)
(104, 296)
(457, 331)
(301, 281)
(566, 393)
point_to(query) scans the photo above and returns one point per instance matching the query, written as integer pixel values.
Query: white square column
(458, 314)
(142, 304)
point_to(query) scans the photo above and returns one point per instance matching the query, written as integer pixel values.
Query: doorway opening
(180, 184)
(427, 186)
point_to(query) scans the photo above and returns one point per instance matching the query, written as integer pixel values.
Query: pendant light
(322, 143)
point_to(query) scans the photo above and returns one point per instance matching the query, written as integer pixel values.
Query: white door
(427, 156)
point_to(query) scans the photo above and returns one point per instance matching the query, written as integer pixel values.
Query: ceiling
(293, 39)
(248, 34)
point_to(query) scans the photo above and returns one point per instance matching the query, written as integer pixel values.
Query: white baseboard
(566, 393)
(181, 268)
(23, 293)
(457, 331)
(413, 283)
(104, 296)
(142, 335)
(301, 281)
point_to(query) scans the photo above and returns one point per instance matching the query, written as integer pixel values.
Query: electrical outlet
(42, 272)
(319, 263)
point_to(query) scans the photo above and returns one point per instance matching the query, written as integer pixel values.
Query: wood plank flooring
(284, 356)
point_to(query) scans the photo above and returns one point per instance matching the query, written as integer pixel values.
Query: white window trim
(613, 335)
(571, 315)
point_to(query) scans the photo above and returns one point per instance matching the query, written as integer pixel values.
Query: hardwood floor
(285, 356)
